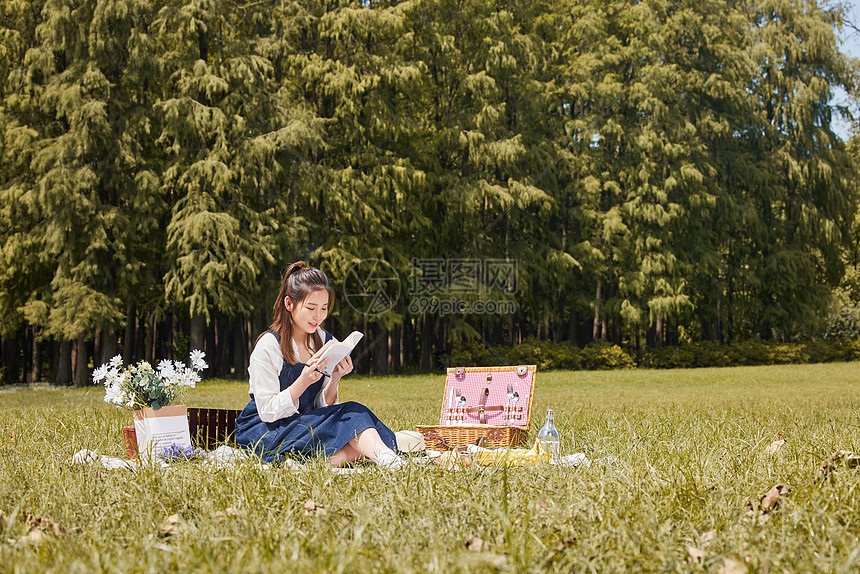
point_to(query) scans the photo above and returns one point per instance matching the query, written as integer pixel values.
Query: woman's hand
(342, 368)
(309, 374)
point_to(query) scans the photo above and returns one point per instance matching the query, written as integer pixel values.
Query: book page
(335, 351)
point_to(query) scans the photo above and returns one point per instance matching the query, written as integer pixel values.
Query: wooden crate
(487, 406)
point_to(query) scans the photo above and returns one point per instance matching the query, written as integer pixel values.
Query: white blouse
(266, 364)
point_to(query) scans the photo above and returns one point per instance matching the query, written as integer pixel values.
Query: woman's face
(308, 314)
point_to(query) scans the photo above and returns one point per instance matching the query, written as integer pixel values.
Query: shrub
(604, 356)
(844, 323)
(829, 351)
(546, 355)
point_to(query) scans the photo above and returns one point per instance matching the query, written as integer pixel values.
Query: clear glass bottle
(548, 436)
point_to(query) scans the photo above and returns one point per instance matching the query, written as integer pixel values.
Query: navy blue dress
(310, 432)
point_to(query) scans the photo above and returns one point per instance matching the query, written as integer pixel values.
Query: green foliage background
(660, 171)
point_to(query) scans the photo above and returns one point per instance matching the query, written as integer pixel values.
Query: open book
(337, 350)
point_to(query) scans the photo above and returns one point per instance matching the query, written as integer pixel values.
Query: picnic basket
(487, 406)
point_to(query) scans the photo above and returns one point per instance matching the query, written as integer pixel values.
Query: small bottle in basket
(548, 436)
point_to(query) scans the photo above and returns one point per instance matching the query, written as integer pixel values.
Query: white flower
(100, 374)
(193, 378)
(166, 372)
(112, 394)
(116, 361)
(182, 377)
(197, 361)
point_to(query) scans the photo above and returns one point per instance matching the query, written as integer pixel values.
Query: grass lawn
(678, 457)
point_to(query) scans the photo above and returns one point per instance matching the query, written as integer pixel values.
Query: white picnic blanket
(226, 456)
(222, 457)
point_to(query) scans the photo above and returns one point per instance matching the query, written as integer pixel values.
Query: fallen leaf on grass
(695, 555)
(541, 507)
(170, 527)
(42, 525)
(773, 496)
(474, 544)
(707, 537)
(312, 508)
(38, 527)
(221, 514)
(828, 465)
(768, 502)
(774, 447)
(732, 566)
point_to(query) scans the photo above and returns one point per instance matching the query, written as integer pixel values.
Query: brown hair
(299, 282)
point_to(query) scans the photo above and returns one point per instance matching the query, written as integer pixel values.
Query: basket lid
(500, 396)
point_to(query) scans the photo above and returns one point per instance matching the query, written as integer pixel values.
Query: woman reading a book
(294, 409)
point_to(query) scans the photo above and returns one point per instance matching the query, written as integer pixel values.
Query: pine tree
(218, 232)
(78, 127)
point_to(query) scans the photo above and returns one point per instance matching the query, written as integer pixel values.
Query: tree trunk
(658, 330)
(198, 332)
(35, 362)
(148, 333)
(108, 347)
(426, 345)
(240, 359)
(409, 357)
(595, 331)
(395, 348)
(10, 360)
(53, 359)
(361, 363)
(213, 346)
(63, 375)
(82, 358)
(128, 339)
(381, 351)
(27, 345)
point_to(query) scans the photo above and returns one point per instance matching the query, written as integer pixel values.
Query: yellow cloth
(510, 456)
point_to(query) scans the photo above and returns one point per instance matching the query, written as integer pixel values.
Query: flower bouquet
(151, 395)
